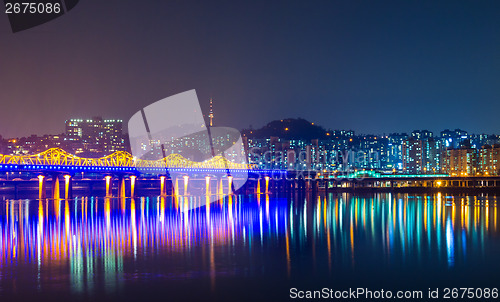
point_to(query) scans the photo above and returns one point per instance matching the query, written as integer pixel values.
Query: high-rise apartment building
(412, 156)
(95, 135)
(489, 160)
(460, 162)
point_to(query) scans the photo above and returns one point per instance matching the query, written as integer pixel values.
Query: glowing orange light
(132, 185)
(186, 179)
(108, 183)
(207, 185)
(267, 184)
(229, 184)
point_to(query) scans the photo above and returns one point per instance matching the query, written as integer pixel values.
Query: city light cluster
(452, 152)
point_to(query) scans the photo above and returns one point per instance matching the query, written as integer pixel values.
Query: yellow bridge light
(57, 156)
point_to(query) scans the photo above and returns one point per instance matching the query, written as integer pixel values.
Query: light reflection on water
(91, 243)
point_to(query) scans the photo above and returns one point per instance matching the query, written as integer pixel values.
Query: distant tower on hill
(211, 113)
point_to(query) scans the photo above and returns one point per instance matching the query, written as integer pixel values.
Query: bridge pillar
(207, 185)
(121, 186)
(176, 186)
(42, 190)
(169, 186)
(109, 185)
(229, 185)
(186, 181)
(68, 186)
(218, 184)
(56, 193)
(257, 189)
(162, 186)
(132, 186)
(267, 184)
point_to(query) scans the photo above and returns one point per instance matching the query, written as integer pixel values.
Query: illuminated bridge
(121, 168)
(56, 159)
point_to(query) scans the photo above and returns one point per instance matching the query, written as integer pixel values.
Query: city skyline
(289, 144)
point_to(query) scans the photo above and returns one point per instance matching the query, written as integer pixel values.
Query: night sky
(371, 66)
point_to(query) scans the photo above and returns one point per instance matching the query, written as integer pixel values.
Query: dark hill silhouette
(291, 128)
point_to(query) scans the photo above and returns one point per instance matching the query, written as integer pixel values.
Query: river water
(245, 247)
